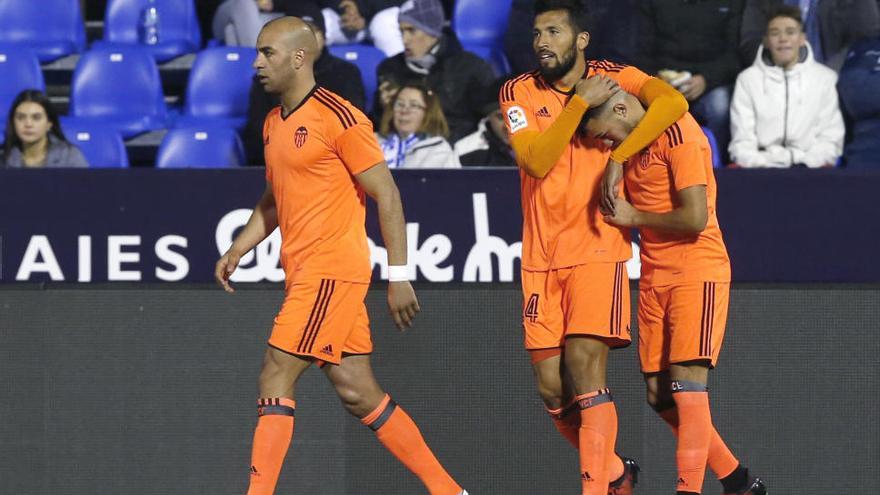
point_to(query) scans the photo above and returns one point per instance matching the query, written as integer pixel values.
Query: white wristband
(397, 273)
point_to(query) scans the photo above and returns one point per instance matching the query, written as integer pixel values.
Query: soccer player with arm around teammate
(684, 285)
(574, 282)
(321, 157)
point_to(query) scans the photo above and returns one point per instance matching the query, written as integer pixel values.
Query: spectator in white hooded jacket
(785, 109)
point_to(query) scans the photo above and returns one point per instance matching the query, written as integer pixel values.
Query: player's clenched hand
(624, 214)
(225, 266)
(402, 303)
(610, 186)
(596, 90)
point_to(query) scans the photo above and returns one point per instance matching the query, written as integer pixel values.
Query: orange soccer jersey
(312, 155)
(679, 159)
(562, 226)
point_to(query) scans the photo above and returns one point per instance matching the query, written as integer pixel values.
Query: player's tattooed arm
(379, 185)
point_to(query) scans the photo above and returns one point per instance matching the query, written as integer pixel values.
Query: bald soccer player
(684, 287)
(321, 157)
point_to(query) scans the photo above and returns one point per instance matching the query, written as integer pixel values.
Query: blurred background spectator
(387, 87)
(435, 56)
(489, 145)
(34, 138)
(693, 46)
(238, 22)
(859, 88)
(413, 131)
(357, 21)
(333, 73)
(785, 107)
(831, 26)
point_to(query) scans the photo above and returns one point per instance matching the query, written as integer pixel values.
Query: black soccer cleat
(756, 487)
(627, 481)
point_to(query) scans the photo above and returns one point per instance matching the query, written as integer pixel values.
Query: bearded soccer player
(574, 280)
(321, 157)
(684, 286)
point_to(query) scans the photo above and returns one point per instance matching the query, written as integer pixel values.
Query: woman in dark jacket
(34, 138)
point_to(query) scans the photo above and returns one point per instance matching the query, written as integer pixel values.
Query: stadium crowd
(773, 83)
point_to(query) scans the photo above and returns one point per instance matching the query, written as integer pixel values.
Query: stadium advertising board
(463, 226)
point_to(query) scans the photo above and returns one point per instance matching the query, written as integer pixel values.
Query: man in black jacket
(335, 74)
(832, 26)
(489, 145)
(693, 46)
(435, 56)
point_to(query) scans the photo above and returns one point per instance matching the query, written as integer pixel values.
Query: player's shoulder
(274, 114)
(520, 86)
(605, 66)
(685, 130)
(336, 111)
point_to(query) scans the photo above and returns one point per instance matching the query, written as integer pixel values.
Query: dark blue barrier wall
(158, 225)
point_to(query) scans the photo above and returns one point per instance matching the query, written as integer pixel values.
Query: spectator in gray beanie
(433, 55)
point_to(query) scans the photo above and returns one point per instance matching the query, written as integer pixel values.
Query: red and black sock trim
(384, 415)
(274, 407)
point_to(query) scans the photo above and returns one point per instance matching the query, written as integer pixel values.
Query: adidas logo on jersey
(543, 112)
(586, 476)
(327, 349)
(254, 471)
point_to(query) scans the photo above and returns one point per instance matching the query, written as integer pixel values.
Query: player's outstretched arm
(379, 185)
(262, 222)
(689, 217)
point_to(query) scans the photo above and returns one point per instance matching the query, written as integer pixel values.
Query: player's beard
(566, 62)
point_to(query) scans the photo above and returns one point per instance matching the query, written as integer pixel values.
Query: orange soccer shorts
(681, 323)
(590, 299)
(323, 319)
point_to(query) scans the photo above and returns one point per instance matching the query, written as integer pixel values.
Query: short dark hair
(790, 11)
(578, 16)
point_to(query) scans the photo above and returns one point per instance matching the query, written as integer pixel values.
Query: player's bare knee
(359, 401)
(279, 373)
(551, 396)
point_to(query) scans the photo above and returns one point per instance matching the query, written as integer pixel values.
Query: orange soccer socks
(271, 440)
(400, 435)
(695, 433)
(721, 460)
(568, 421)
(597, 436)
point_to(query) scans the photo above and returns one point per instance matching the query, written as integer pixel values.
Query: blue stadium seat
(495, 56)
(218, 87)
(713, 143)
(475, 24)
(200, 147)
(20, 70)
(51, 28)
(101, 145)
(179, 32)
(118, 88)
(367, 58)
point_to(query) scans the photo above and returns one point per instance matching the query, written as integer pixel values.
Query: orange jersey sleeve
(358, 148)
(686, 162)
